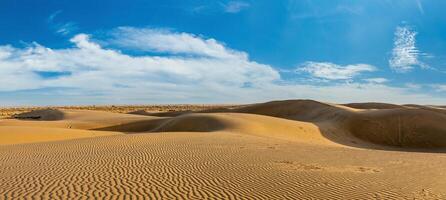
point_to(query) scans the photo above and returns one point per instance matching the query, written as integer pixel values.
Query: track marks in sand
(290, 165)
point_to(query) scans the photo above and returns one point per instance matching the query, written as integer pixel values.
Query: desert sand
(294, 149)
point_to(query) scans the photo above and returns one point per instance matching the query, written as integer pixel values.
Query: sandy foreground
(295, 149)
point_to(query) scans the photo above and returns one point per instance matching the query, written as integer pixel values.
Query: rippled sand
(221, 156)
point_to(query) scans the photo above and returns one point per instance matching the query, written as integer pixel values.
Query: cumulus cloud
(405, 55)
(110, 70)
(165, 41)
(192, 69)
(331, 71)
(235, 6)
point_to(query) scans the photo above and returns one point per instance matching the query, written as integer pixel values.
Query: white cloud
(94, 74)
(53, 16)
(439, 87)
(413, 86)
(89, 63)
(235, 6)
(331, 71)
(405, 55)
(376, 80)
(165, 41)
(66, 28)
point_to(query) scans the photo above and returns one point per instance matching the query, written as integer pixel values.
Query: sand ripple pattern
(202, 166)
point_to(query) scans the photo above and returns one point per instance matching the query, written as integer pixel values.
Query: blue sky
(232, 51)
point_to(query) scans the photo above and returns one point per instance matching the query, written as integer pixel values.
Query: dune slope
(401, 127)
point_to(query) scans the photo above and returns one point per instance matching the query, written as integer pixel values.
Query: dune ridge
(376, 123)
(359, 125)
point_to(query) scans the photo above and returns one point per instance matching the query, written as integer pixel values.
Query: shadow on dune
(42, 115)
(135, 127)
(377, 126)
(184, 123)
(160, 114)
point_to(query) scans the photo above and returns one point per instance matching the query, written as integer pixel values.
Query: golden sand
(278, 150)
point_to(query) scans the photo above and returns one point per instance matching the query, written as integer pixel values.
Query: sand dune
(401, 127)
(21, 135)
(374, 123)
(384, 124)
(44, 115)
(240, 123)
(249, 124)
(74, 119)
(301, 110)
(373, 105)
(298, 149)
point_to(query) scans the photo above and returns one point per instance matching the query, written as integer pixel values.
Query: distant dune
(280, 149)
(409, 126)
(373, 105)
(45, 115)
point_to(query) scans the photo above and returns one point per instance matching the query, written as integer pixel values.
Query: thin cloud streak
(331, 71)
(420, 6)
(62, 28)
(235, 6)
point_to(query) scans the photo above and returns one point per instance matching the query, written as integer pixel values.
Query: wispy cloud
(62, 28)
(53, 16)
(66, 28)
(235, 6)
(439, 87)
(302, 10)
(413, 86)
(405, 54)
(376, 80)
(331, 71)
(217, 7)
(420, 6)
